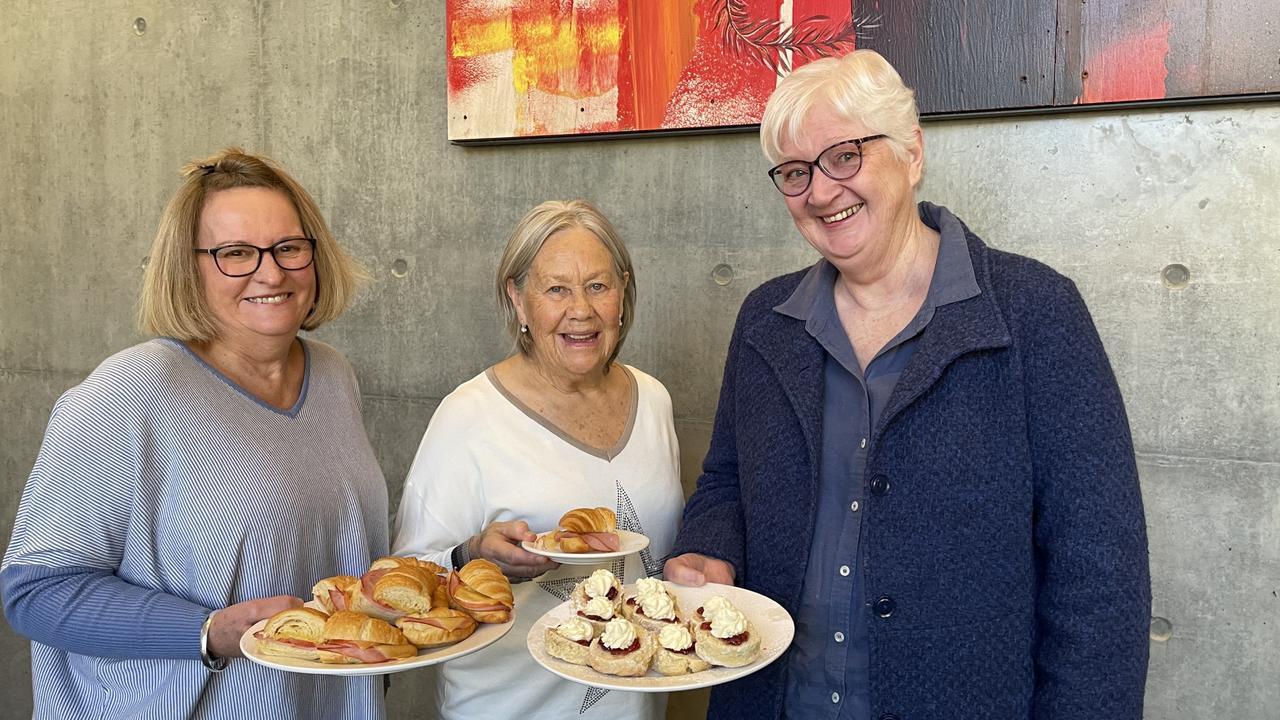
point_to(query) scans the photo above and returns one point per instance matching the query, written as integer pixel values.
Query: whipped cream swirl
(618, 634)
(675, 637)
(575, 629)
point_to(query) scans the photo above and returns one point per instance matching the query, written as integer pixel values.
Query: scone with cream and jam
(570, 640)
(676, 653)
(724, 636)
(624, 649)
(652, 607)
(601, 584)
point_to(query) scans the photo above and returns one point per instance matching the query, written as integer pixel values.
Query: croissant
(364, 639)
(296, 633)
(439, 626)
(390, 593)
(584, 530)
(482, 591)
(331, 592)
(585, 520)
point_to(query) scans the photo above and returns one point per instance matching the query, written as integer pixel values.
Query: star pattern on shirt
(593, 696)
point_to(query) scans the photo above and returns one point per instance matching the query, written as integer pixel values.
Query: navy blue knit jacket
(1007, 531)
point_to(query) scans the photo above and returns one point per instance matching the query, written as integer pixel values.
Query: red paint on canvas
(1132, 68)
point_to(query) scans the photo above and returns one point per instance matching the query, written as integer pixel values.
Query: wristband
(214, 664)
(461, 554)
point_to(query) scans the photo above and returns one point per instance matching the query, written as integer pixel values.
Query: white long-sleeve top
(485, 458)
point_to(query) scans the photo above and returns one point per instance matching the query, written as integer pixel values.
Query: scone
(726, 639)
(570, 641)
(602, 583)
(598, 612)
(623, 649)
(709, 607)
(676, 652)
(652, 607)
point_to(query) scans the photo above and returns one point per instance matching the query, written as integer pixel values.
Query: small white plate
(629, 543)
(771, 621)
(485, 634)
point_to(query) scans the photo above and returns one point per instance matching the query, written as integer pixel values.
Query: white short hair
(860, 87)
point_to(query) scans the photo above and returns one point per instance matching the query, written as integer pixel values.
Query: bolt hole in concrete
(1161, 629)
(140, 25)
(1175, 276)
(396, 3)
(722, 274)
(400, 267)
(146, 260)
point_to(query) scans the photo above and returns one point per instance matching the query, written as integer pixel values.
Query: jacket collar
(956, 329)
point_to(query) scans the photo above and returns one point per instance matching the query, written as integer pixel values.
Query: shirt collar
(953, 279)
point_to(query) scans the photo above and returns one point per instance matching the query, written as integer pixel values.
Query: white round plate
(629, 543)
(771, 621)
(485, 634)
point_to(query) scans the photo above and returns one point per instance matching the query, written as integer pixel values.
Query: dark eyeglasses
(838, 162)
(242, 259)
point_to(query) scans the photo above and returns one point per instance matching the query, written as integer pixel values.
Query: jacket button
(888, 716)
(884, 606)
(879, 485)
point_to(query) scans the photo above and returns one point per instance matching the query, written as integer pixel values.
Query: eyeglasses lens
(240, 260)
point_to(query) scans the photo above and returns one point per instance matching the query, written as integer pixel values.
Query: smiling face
(858, 222)
(572, 304)
(272, 302)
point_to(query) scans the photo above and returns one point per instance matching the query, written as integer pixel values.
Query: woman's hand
(230, 622)
(694, 569)
(500, 543)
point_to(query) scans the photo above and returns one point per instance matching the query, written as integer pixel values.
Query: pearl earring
(524, 328)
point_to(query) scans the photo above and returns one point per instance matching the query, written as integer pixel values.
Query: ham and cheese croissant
(481, 590)
(584, 530)
(436, 627)
(342, 638)
(392, 590)
(296, 633)
(363, 639)
(331, 592)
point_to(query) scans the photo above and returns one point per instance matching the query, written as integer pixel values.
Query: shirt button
(854, 506)
(835, 697)
(844, 571)
(839, 637)
(863, 443)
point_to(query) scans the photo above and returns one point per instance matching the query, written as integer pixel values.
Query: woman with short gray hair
(558, 425)
(962, 535)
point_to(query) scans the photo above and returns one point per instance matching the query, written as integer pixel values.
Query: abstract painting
(543, 69)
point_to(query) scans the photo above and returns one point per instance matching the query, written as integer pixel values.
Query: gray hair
(860, 87)
(528, 237)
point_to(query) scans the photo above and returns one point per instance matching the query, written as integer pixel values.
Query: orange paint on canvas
(661, 38)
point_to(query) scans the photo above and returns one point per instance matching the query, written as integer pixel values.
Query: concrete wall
(95, 119)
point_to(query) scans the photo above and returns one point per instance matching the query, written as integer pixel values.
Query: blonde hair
(860, 87)
(528, 237)
(173, 301)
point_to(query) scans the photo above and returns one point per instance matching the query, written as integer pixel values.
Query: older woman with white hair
(558, 425)
(920, 450)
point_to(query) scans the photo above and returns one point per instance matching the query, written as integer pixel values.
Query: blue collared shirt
(828, 672)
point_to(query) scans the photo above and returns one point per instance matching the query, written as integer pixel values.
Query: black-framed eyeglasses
(838, 162)
(243, 259)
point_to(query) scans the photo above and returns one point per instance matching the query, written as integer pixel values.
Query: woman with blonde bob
(199, 482)
(558, 425)
(963, 532)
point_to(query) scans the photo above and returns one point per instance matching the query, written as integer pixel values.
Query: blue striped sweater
(162, 491)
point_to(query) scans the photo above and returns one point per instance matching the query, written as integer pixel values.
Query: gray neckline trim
(606, 454)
